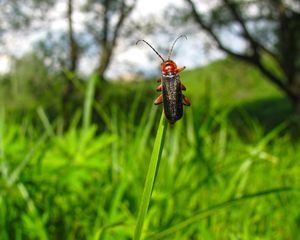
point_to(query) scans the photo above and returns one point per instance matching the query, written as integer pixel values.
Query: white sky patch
(148, 7)
(190, 53)
(141, 58)
(5, 64)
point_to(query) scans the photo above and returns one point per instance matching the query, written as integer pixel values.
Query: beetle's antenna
(152, 48)
(171, 50)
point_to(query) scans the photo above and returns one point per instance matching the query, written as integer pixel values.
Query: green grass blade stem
(88, 103)
(150, 178)
(214, 210)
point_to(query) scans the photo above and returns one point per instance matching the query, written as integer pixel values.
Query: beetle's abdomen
(172, 97)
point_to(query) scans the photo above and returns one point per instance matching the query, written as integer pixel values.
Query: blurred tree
(31, 83)
(18, 15)
(29, 17)
(73, 46)
(269, 28)
(105, 22)
(73, 59)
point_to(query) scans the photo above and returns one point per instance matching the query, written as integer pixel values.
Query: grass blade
(150, 178)
(214, 210)
(88, 103)
(2, 119)
(18, 170)
(45, 121)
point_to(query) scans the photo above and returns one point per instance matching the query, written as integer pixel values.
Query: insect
(171, 86)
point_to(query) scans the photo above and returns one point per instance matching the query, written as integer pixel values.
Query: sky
(135, 55)
(185, 54)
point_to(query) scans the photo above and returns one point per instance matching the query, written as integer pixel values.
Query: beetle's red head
(168, 66)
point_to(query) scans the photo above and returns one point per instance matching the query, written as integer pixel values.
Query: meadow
(229, 169)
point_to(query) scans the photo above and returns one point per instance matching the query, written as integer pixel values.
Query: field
(229, 169)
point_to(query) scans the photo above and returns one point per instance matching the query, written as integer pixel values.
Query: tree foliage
(105, 22)
(270, 30)
(19, 15)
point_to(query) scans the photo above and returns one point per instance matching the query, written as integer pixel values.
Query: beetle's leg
(158, 100)
(159, 80)
(183, 87)
(159, 88)
(186, 101)
(178, 70)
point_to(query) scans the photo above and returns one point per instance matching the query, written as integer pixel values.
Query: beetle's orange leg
(183, 87)
(186, 101)
(178, 70)
(158, 100)
(159, 80)
(159, 88)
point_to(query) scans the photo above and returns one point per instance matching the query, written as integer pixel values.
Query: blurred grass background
(229, 170)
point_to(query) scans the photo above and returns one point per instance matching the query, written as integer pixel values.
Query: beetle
(171, 86)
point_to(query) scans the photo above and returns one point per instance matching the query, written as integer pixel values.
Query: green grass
(229, 169)
(151, 175)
